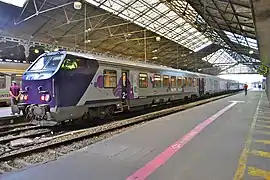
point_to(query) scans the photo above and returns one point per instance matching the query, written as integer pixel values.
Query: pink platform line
(163, 157)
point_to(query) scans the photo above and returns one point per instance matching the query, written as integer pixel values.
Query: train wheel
(193, 98)
(109, 112)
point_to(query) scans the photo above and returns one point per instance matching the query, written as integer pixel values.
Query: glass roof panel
(240, 68)
(179, 30)
(245, 41)
(147, 11)
(171, 14)
(116, 5)
(163, 20)
(152, 14)
(138, 6)
(220, 58)
(131, 14)
(162, 8)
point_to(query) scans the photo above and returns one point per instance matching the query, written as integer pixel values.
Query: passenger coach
(62, 85)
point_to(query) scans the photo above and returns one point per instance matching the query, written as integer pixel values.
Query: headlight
(25, 97)
(22, 97)
(47, 97)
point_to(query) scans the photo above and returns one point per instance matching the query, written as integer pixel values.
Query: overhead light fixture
(190, 52)
(158, 38)
(77, 5)
(155, 50)
(88, 30)
(36, 51)
(154, 57)
(251, 52)
(19, 3)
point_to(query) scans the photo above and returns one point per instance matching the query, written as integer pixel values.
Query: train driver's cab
(69, 64)
(44, 67)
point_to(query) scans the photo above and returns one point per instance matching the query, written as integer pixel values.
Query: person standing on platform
(14, 93)
(245, 88)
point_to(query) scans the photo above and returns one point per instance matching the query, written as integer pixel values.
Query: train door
(201, 86)
(125, 87)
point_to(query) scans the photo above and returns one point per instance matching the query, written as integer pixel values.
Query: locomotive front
(38, 87)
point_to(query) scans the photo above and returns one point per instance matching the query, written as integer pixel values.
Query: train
(64, 85)
(9, 72)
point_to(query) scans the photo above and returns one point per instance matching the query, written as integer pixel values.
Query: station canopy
(207, 36)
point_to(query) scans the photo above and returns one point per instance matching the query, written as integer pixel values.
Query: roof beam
(241, 15)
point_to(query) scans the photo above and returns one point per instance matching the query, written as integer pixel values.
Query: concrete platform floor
(5, 112)
(223, 140)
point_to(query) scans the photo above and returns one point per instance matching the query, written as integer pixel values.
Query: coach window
(110, 78)
(173, 81)
(166, 81)
(190, 81)
(194, 82)
(157, 80)
(179, 82)
(2, 81)
(143, 80)
(186, 81)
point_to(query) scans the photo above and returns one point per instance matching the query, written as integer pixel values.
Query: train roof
(105, 58)
(121, 61)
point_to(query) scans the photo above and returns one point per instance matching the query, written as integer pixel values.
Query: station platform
(5, 112)
(222, 140)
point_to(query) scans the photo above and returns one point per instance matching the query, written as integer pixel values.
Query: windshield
(47, 62)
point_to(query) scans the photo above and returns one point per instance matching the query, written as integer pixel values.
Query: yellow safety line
(253, 171)
(263, 141)
(263, 126)
(263, 117)
(239, 174)
(263, 132)
(260, 153)
(264, 121)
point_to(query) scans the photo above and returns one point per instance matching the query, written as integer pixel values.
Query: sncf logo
(4, 95)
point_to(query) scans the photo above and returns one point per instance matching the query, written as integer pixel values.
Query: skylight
(245, 41)
(220, 58)
(19, 3)
(238, 69)
(157, 17)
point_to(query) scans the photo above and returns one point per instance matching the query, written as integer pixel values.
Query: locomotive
(65, 85)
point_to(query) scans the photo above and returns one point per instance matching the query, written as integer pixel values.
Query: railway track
(11, 120)
(44, 149)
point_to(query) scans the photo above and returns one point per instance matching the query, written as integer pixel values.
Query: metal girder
(220, 32)
(37, 11)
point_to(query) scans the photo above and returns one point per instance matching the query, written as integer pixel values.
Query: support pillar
(268, 86)
(26, 52)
